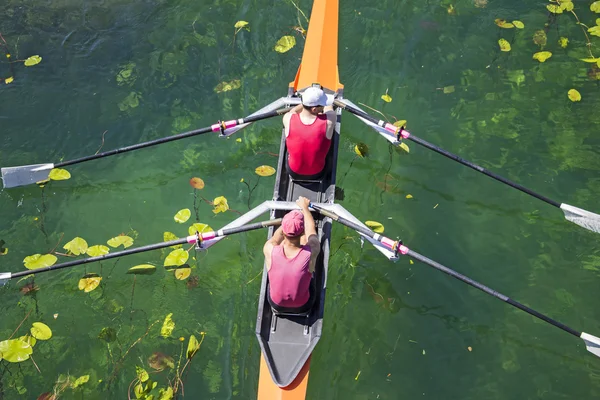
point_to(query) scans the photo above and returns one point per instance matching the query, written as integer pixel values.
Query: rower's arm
(312, 239)
(288, 116)
(275, 240)
(331, 119)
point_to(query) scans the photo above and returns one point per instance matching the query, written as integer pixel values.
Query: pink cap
(293, 223)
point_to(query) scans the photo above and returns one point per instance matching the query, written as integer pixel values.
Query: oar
(583, 218)
(28, 174)
(592, 343)
(199, 237)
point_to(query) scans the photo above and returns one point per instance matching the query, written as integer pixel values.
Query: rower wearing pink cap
(308, 132)
(290, 257)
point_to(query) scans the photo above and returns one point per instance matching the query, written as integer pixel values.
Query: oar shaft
(213, 128)
(406, 135)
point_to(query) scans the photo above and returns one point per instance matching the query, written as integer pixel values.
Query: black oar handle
(407, 135)
(190, 239)
(221, 126)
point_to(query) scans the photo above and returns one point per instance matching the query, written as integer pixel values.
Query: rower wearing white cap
(308, 132)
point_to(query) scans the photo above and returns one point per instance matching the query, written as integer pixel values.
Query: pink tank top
(289, 278)
(307, 145)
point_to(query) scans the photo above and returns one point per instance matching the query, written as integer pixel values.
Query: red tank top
(289, 278)
(307, 145)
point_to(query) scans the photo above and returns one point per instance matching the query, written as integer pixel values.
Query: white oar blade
(4, 278)
(25, 174)
(581, 217)
(592, 343)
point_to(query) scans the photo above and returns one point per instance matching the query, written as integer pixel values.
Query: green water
(392, 330)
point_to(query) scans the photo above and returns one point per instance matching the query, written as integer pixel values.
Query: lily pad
(59, 174)
(387, 98)
(182, 215)
(123, 240)
(595, 6)
(285, 44)
(518, 24)
(80, 381)
(198, 227)
(168, 326)
(361, 149)
(89, 282)
(76, 246)
(165, 394)
(540, 38)
(15, 350)
(563, 42)
(33, 60)
(220, 204)
(182, 273)
(542, 56)
(197, 183)
(142, 269)
(40, 331)
(168, 236)
(265, 170)
(27, 339)
(503, 24)
(39, 261)
(97, 250)
(176, 258)
(504, 45)
(574, 95)
(554, 8)
(567, 5)
(404, 147)
(193, 347)
(375, 226)
(142, 374)
(227, 86)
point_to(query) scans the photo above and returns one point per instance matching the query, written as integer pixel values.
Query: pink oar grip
(394, 129)
(403, 249)
(388, 242)
(208, 235)
(192, 239)
(216, 127)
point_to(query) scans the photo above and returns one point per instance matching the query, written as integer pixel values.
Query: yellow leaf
(33, 60)
(595, 30)
(9, 80)
(401, 123)
(404, 147)
(183, 273)
(518, 24)
(98, 250)
(563, 42)
(574, 95)
(117, 241)
(595, 7)
(176, 258)
(448, 89)
(411, 262)
(240, 24)
(264, 170)
(198, 227)
(39, 261)
(409, 196)
(239, 140)
(58, 174)
(220, 204)
(375, 226)
(227, 86)
(503, 24)
(40, 331)
(168, 326)
(182, 215)
(590, 60)
(387, 98)
(168, 236)
(504, 45)
(555, 9)
(76, 246)
(285, 44)
(542, 56)
(242, 180)
(90, 283)
(197, 183)
(566, 5)
(361, 149)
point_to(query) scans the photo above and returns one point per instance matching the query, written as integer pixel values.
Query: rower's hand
(303, 202)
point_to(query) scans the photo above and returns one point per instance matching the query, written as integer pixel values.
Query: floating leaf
(109, 335)
(182, 215)
(40, 331)
(238, 140)
(448, 89)
(595, 30)
(182, 273)
(265, 170)
(159, 361)
(3, 250)
(15, 350)
(595, 7)
(39, 261)
(80, 381)
(220, 204)
(590, 60)
(566, 6)
(98, 250)
(89, 283)
(168, 326)
(504, 45)
(574, 95)
(540, 38)
(542, 56)
(59, 174)
(401, 123)
(563, 42)
(8, 80)
(555, 9)
(387, 98)
(142, 269)
(33, 60)
(168, 236)
(240, 24)
(361, 149)
(375, 226)
(227, 86)
(285, 44)
(404, 147)
(165, 394)
(132, 100)
(176, 258)
(518, 24)
(197, 183)
(76, 246)
(409, 196)
(198, 227)
(503, 24)
(142, 374)
(27, 339)
(193, 347)
(117, 241)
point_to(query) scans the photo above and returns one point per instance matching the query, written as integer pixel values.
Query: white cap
(315, 97)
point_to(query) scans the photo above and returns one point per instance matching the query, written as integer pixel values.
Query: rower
(290, 257)
(308, 132)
